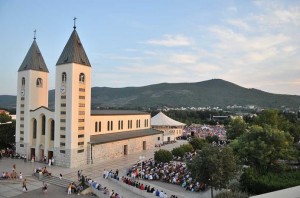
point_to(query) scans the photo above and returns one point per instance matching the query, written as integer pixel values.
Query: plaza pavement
(94, 171)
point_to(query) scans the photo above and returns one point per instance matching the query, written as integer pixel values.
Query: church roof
(73, 52)
(33, 60)
(161, 119)
(117, 112)
(118, 136)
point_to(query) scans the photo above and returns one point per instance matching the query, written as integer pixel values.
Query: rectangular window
(158, 138)
(21, 145)
(22, 98)
(63, 104)
(81, 112)
(21, 138)
(22, 105)
(62, 144)
(80, 151)
(62, 136)
(81, 128)
(63, 113)
(62, 128)
(22, 118)
(81, 105)
(82, 89)
(81, 136)
(80, 143)
(99, 128)
(62, 151)
(62, 97)
(21, 132)
(22, 112)
(62, 120)
(21, 125)
(80, 120)
(81, 97)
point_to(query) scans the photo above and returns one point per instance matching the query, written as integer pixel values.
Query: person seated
(44, 188)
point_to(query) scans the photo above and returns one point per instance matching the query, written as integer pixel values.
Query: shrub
(187, 147)
(256, 182)
(178, 152)
(197, 143)
(230, 194)
(163, 156)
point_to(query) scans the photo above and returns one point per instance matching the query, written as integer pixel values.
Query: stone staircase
(56, 181)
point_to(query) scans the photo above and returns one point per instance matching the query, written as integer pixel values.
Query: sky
(254, 44)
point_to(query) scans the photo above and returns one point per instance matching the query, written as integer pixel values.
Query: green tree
(187, 147)
(214, 165)
(197, 143)
(212, 139)
(178, 152)
(261, 147)
(236, 128)
(7, 131)
(163, 155)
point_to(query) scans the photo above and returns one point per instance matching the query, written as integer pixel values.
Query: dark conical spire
(33, 59)
(73, 52)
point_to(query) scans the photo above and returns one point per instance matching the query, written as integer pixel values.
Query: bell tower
(32, 92)
(72, 103)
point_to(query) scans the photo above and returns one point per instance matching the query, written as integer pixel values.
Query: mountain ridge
(214, 92)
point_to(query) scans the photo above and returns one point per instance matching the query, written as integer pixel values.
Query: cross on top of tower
(34, 34)
(74, 23)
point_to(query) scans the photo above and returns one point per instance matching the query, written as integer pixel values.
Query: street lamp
(141, 159)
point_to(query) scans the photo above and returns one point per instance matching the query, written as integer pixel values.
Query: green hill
(214, 92)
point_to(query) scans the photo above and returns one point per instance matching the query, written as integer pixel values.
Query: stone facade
(116, 149)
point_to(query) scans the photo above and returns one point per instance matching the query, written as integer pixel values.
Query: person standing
(24, 186)
(50, 161)
(20, 176)
(69, 189)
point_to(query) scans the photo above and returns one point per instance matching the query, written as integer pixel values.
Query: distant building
(71, 133)
(171, 128)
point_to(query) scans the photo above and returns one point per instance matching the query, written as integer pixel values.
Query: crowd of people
(96, 185)
(173, 172)
(42, 170)
(202, 131)
(146, 188)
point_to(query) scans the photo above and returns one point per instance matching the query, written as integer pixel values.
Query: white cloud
(239, 24)
(182, 59)
(171, 41)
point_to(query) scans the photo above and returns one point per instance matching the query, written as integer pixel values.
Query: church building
(73, 134)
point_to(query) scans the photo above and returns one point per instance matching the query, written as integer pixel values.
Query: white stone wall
(116, 149)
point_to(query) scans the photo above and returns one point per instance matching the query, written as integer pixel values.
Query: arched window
(99, 128)
(34, 128)
(64, 77)
(43, 124)
(108, 125)
(81, 77)
(52, 130)
(39, 82)
(23, 81)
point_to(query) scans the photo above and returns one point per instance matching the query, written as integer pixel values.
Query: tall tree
(261, 147)
(7, 131)
(215, 166)
(235, 128)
